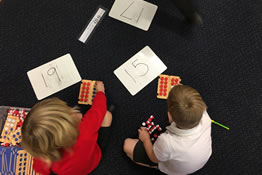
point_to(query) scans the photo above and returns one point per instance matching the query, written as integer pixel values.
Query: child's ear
(170, 119)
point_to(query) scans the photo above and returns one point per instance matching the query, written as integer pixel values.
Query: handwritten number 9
(52, 71)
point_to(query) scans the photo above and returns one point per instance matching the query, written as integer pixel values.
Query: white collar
(182, 132)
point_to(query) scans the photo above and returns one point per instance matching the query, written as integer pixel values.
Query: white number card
(137, 13)
(53, 76)
(140, 70)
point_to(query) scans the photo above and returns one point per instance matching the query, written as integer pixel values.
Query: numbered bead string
(26, 159)
(19, 160)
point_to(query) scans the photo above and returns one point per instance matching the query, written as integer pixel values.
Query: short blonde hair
(186, 106)
(49, 128)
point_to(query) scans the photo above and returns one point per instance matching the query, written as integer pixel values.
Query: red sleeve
(92, 120)
(40, 167)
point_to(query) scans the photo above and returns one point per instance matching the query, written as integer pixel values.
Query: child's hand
(100, 86)
(143, 134)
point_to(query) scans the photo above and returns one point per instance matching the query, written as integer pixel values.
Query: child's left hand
(100, 86)
(143, 134)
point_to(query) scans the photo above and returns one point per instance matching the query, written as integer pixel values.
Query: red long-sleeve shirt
(86, 153)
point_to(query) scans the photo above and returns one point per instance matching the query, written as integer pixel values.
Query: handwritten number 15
(136, 66)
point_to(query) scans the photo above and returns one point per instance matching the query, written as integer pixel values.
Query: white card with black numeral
(140, 70)
(53, 76)
(137, 13)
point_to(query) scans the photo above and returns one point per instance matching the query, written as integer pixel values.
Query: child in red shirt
(61, 140)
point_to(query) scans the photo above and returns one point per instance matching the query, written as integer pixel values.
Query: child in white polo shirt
(185, 147)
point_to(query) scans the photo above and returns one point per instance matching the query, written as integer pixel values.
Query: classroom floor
(221, 59)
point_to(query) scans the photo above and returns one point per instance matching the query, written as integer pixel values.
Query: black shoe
(111, 108)
(195, 18)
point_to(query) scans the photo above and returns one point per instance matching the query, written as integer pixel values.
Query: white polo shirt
(184, 151)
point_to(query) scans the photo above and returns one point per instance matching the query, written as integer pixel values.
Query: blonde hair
(186, 106)
(49, 128)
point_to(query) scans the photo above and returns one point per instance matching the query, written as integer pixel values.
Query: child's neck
(181, 128)
(47, 161)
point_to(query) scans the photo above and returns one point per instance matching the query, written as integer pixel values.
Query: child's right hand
(100, 86)
(143, 134)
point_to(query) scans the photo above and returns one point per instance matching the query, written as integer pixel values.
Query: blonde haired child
(185, 147)
(61, 140)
